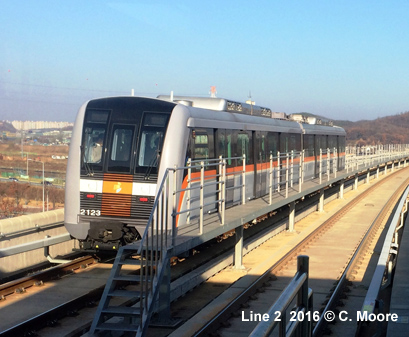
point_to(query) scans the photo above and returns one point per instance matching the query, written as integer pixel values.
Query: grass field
(12, 157)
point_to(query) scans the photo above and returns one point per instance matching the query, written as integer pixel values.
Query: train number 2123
(92, 212)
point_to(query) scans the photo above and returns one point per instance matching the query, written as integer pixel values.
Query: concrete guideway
(274, 251)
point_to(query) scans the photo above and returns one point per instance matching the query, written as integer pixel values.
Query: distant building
(36, 125)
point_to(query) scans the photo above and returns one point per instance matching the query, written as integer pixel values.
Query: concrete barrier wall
(13, 264)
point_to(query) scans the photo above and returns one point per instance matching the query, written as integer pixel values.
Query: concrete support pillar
(377, 172)
(356, 181)
(321, 201)
(291, 217)
(238, 249)
(368, 174)
(341, 189)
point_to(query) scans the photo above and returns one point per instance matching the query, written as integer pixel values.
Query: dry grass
(10, 156)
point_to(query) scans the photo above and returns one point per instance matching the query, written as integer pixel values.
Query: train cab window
(151, 139)
(93, 139)
(121, 148)
(151, 143)
(94, 144)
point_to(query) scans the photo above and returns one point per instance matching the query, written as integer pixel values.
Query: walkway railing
(277, 313)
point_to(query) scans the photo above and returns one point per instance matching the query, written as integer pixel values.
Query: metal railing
(356, 158)
(387, 257)
(186, 194)
(277, 314)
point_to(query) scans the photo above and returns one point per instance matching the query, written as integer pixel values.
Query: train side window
(203, 144)
(121, 146)
(332, 142)
(272, 142)
(341, 142)
(224, 144)
(297, 142)
(261, 146)
(309, 145)
(221, 143)
(245, 146)
(324, 144)
(290, 142)
(318, 146)
(284, 143)
(229, 146)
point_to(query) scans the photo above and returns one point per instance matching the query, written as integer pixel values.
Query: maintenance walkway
(400, 291)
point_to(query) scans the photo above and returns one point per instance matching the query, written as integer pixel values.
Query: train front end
(112, 170)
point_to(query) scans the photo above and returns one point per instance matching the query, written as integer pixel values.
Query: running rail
(297, 287)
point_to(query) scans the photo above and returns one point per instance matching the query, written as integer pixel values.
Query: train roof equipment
(220, 104)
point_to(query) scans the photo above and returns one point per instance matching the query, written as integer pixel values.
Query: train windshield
(93, 140)
(121, 148)
(152, 134)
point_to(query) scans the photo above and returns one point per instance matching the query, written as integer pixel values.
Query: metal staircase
(129, 299)
(129, 310)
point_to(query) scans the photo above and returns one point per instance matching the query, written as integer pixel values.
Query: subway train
(121, 147)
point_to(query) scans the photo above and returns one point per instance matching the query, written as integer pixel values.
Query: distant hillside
(385, 130)
(7, 127)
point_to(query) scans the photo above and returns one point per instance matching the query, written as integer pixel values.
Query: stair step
(132, 278)
(117, 327)
(124, 293)
(132, 262)
(122, 311)
(129, 278)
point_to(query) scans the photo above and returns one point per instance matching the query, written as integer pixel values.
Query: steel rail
(39, 278)
(360, 250)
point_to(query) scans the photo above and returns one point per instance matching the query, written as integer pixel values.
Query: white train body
(122, 146)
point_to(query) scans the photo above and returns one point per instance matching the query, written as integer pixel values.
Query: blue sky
(340, 59)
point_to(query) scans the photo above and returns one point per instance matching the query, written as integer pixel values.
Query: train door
(317, 154)
(223, 144)
(203, 149)
(341, 153)
(117, 185)
(261, 164)
(332, 146)
(245, 146)
(309, 155)
(272, 148)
